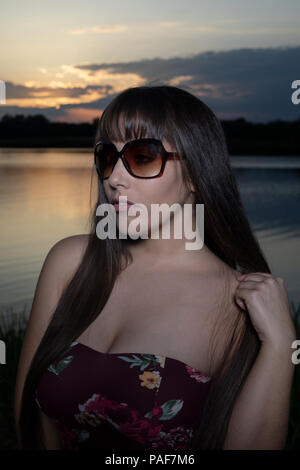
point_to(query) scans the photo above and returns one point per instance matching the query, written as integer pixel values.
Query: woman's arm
(51, 436)
(261, 412)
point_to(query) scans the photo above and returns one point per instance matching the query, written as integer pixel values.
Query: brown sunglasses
(142, 158)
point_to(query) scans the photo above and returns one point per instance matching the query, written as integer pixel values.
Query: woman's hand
(266, 300)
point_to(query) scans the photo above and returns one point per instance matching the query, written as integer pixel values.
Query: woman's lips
(122, 206)
(121, 203)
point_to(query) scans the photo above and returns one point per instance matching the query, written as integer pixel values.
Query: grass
(12, 332)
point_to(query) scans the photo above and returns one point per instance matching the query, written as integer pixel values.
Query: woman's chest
(165, 314)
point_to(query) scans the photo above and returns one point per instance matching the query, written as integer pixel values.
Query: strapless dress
(122, 400)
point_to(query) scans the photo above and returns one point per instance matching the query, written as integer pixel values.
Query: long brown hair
(189, 125)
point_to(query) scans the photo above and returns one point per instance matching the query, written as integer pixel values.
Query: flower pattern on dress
(128, 421)
(150, 361)
(195, 374)
(152, 429)
(150, 379)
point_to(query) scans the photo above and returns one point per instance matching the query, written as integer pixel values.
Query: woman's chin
(135, 232)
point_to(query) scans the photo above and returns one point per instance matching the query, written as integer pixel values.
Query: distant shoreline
(242, 137)
(253, 148)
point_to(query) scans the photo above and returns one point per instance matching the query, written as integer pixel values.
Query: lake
(47, 195)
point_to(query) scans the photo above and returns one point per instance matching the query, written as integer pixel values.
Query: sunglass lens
(144, 159)
(105, 158)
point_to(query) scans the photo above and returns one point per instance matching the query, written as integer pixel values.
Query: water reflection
(271, 198)
(48, 194)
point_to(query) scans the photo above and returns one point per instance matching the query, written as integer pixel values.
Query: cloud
(77, 115)
(242, 82)
(116, 28)
(168, 24)
(116, 81)
(32, 94)
(250, 83)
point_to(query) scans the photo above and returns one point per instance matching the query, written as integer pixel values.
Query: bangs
(131, 116)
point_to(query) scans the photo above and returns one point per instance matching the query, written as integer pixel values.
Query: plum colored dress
(122, 400)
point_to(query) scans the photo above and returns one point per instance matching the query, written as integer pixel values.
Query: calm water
(47, 195)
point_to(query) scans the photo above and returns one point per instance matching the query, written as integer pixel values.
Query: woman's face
(168, 188)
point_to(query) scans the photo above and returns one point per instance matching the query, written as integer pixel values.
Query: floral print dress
(122, 401)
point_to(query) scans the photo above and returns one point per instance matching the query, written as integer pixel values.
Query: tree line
(243, 137)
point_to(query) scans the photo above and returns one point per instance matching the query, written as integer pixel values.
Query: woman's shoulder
(76, 241)
(69, 252)
(74, 244)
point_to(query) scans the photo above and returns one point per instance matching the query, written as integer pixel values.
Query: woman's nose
(118, 171)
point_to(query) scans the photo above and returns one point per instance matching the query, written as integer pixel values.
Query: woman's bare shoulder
(75, 241)
(71, 248)
(70, 251)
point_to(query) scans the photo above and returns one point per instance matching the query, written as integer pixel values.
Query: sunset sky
(67, 59)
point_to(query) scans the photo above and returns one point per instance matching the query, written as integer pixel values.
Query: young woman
(140, 343)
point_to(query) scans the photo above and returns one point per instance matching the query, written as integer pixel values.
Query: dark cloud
(20, 91)
(247, 82)
(250, 83)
